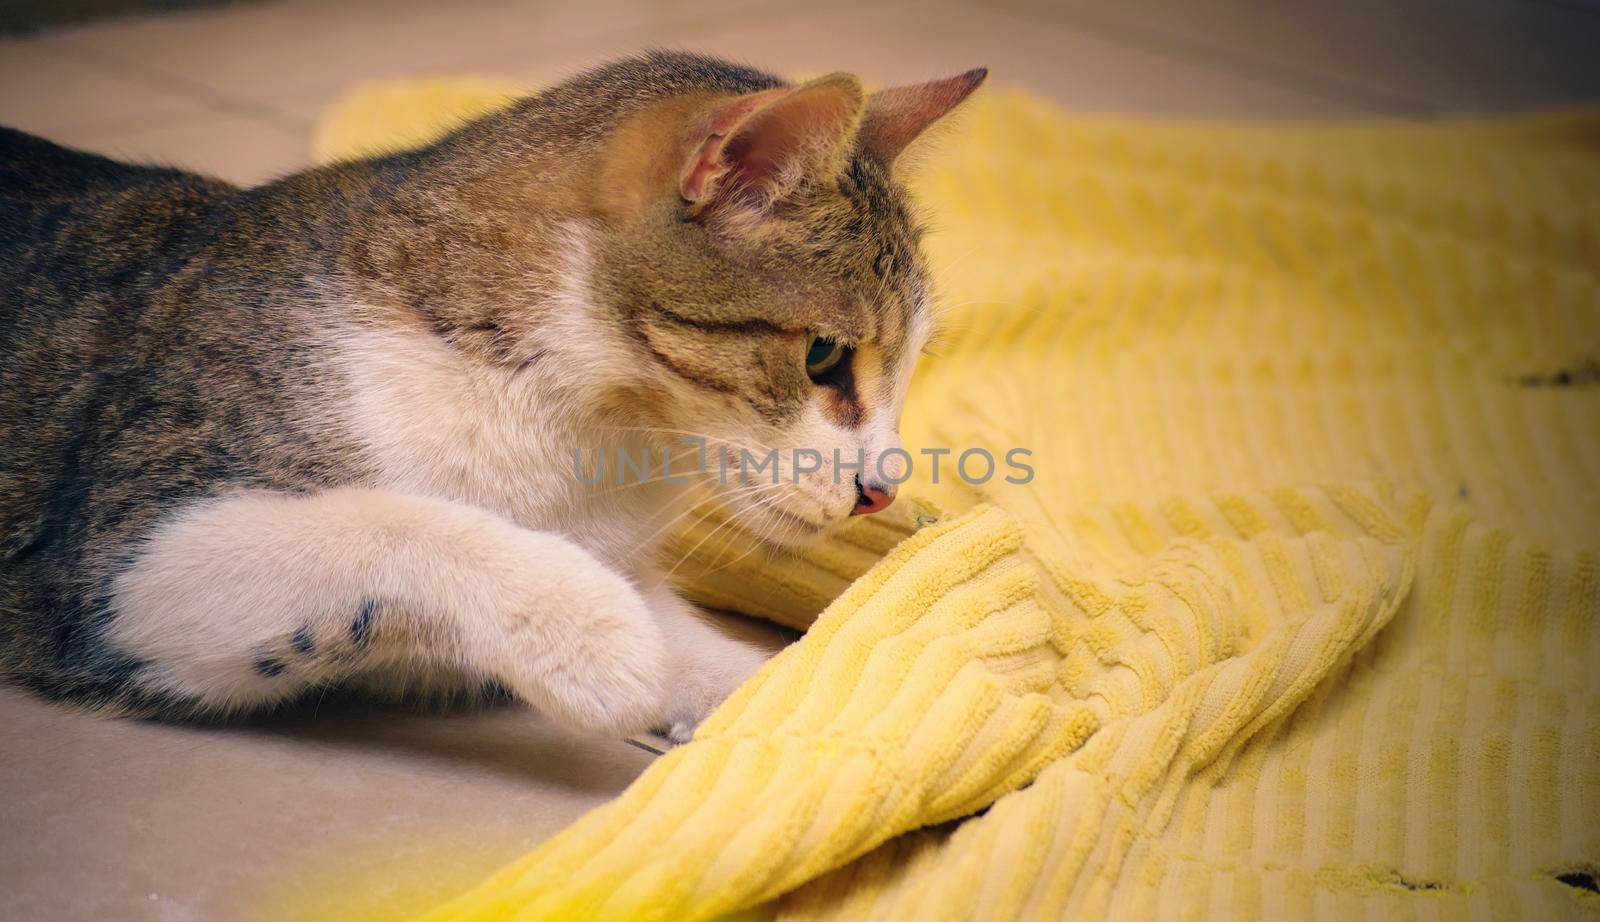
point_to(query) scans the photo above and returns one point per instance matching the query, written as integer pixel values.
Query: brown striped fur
(636, 253)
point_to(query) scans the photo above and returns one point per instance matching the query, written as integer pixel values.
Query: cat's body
(322, 431)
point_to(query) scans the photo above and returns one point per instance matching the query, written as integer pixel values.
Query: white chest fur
(436, 422)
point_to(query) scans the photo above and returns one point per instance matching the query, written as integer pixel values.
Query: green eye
(822, 354)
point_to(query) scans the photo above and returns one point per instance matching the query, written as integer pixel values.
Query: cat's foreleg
(239, 602)
(704, 664)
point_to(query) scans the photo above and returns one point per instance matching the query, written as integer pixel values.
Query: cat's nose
(872, 497)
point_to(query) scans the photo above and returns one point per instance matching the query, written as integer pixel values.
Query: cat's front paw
(585, 651)
(681, 731)
(702, 678)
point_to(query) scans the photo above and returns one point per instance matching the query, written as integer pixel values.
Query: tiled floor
(233, 90)
(124, 820)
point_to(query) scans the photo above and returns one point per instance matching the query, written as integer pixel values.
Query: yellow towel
(1299, 615)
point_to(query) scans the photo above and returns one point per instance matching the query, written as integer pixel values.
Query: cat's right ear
(751, 150)
(896, 116)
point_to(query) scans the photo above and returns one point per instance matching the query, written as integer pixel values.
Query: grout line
(122, 125)
(163, 110)
(232, 104)
(1220, 58)
(672, 34)
(198, 92)
(186, 111)
(667, 34)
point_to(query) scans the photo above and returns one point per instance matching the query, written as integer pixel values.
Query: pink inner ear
(706, 166)
(709, 160)
(780, 136)
(763, 139)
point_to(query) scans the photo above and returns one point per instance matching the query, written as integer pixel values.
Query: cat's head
(681, 247)
(759, 253)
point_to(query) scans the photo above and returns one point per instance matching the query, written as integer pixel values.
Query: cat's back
(81, 237)
(82, 220)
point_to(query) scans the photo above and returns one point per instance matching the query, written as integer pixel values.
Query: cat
(321, 432)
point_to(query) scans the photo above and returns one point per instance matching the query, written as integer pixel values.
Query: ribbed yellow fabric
(1209, 662)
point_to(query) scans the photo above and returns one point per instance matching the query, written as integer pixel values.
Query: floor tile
(268, 51)
(919, 41)
(239, 149)
(41, 90)
(323, 814)
(337, 810)
(1412, 56)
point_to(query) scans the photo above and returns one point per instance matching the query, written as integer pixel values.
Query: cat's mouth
(799, 522)
(784, 528)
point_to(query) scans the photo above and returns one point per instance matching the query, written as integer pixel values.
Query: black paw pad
(268, 666)
(361, 627)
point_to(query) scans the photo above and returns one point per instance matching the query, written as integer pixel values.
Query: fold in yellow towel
(1298, 617)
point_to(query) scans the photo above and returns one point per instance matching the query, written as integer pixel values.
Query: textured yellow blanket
(1300, 615)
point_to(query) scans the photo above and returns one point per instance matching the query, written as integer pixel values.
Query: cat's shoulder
(33, 168)
(56, 203)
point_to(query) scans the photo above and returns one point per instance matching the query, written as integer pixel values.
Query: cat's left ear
(895, 117)
(755, 148)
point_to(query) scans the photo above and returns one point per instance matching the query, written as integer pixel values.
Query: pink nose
(872, 497)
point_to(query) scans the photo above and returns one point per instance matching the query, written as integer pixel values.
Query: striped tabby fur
(320, 432)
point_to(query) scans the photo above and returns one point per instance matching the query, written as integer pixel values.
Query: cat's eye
(822, 356)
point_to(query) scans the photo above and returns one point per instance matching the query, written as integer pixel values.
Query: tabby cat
(259, 441)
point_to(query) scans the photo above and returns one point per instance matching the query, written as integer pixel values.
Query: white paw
(701, 678)
(585, 652)
(681, 731)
